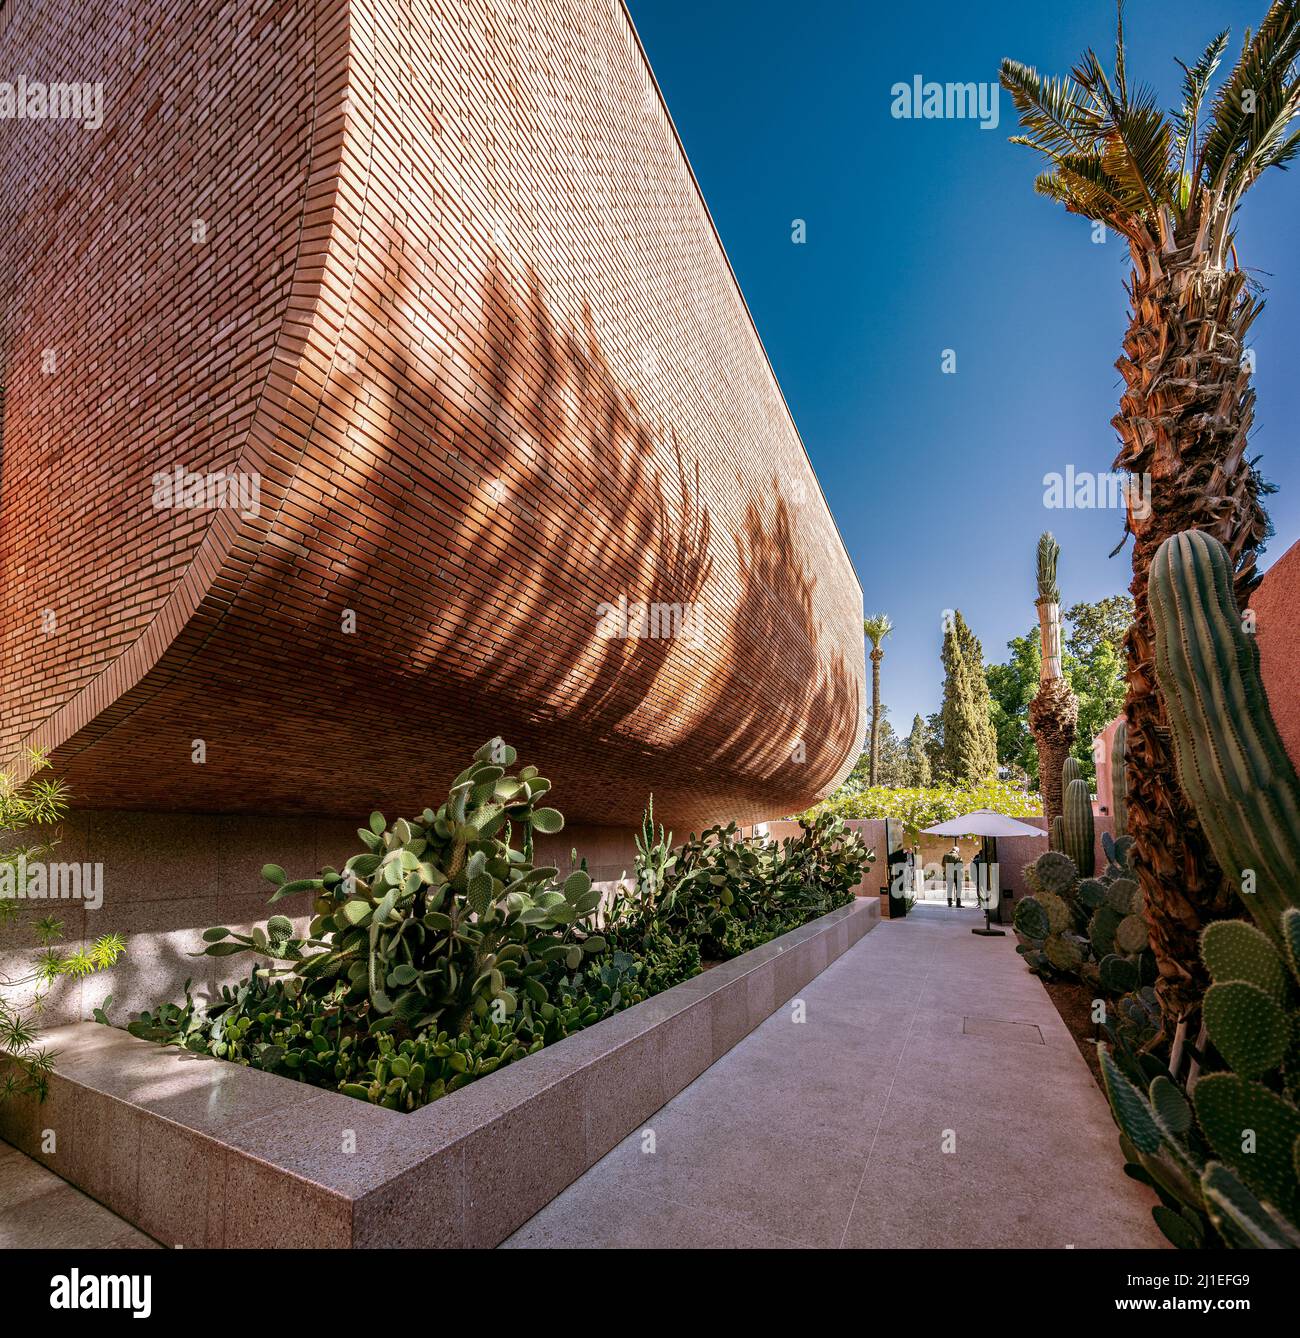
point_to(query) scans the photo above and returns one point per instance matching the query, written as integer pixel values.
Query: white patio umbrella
(986, 823)
(983, 822)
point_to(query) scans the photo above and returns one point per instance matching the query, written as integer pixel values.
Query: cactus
(1056, 837)
(1230, 759)
(1071, 770)
(1134, 1019)
(1119, 777)
(1031, 920)
(1234, 950)
(1056, 873)
(1250, 1196)
(1100, 916)
(1078, 831)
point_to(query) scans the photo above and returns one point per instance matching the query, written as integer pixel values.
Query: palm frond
(1196, 83)
(1186, 120)
(1262, 77)
(1082, 184)
(1137, 156)
(1051, 110)
(877, 628)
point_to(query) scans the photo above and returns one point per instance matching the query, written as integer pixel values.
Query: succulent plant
(1056, 834)
(1232, 1171)
(1056, 872)
(1078, 832)
(1119, 777)
(1231, 762)
(1102, 915)
(440, 953)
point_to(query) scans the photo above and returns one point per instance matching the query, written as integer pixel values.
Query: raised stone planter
(198, 1152)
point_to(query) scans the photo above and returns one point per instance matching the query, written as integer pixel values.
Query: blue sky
(924, 236)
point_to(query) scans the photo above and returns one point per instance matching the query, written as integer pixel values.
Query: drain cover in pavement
(1022, 1033)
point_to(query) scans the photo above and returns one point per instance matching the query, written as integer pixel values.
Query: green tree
(1094, 667)
(918, 754)
(1012, 687)
(934, 746)
(970, 751)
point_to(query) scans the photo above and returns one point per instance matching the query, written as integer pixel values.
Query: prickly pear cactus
(1100, 916)
(1245, 1114)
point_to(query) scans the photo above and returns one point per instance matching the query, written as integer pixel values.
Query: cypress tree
(918, 754)
(970, 749)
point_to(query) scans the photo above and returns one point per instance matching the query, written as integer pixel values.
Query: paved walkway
(832, 1132)
(38, 1211)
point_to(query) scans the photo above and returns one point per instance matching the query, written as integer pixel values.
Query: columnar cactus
(1233, 768)
(1078, 833)
(1230, 758)
(1056, 838)
(1119, 777)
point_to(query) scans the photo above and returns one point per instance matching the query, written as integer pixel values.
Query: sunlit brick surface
(440, 278)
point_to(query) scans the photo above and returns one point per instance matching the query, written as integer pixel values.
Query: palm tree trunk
(1183, 423)
(876, 656)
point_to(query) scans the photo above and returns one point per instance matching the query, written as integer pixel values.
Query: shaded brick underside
(458, 304)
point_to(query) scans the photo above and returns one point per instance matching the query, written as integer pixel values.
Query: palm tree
(1171, 185)
(877, 628)
(1054, 712)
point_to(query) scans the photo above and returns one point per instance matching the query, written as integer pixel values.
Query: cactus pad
(1063, 953)
(1118, 974)
(1227, 1107)
(1170, 1105)
(1235, 950)
(1249, 1028)
(1101, 931)
(1131, 935)
(1132, 1113)
(1091, 893)
(1059, 916)
(1031, 920)
(1056, 872)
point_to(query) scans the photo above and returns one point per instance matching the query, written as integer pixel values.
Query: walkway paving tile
(40, 1211)
(929, 1097)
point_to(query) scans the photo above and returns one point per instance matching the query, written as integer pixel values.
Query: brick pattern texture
(439, 277)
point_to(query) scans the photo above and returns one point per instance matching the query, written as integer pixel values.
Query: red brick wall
(461, 310)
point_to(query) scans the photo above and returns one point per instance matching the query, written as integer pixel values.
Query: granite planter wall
(200, 1153)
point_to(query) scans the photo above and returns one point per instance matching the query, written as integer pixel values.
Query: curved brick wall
(455, 302)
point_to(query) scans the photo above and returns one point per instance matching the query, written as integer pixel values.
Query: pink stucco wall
(1276, 605)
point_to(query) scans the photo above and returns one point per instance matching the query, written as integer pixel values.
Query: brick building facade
(360, 369)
